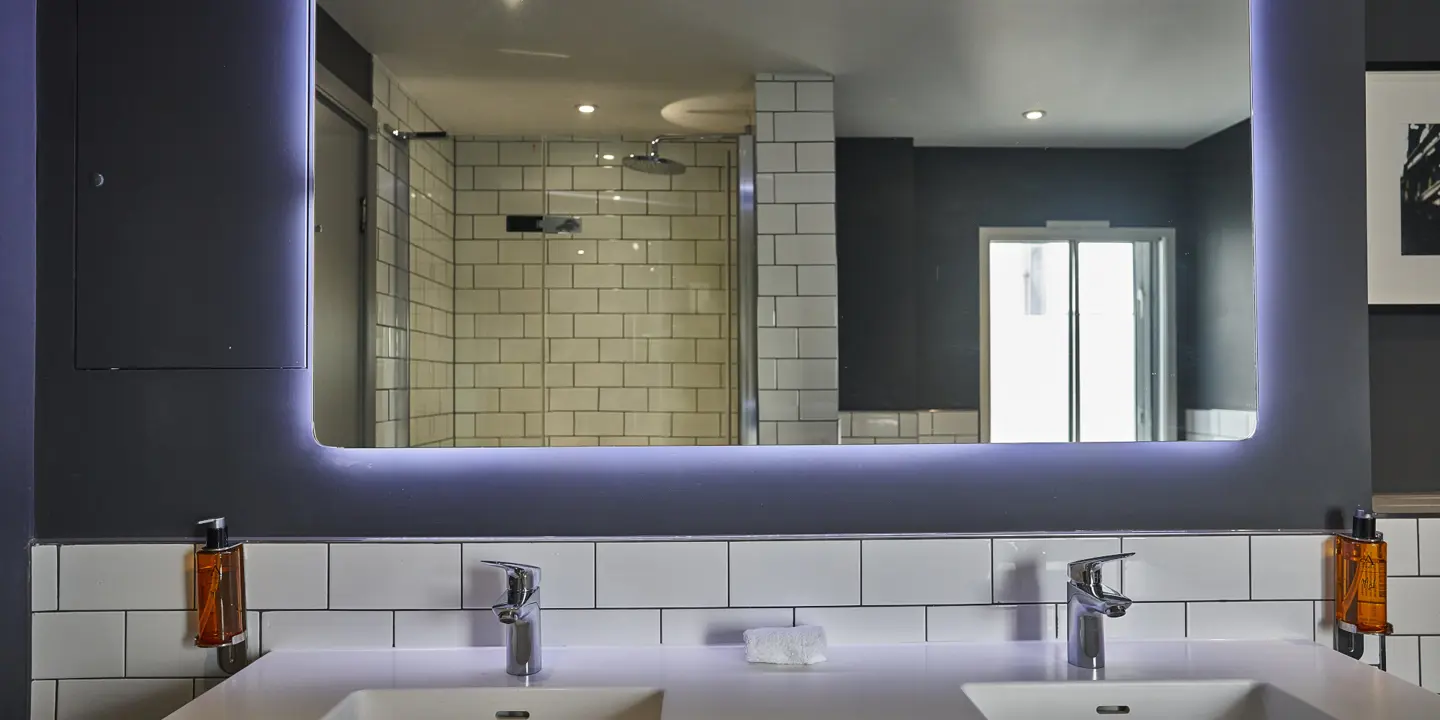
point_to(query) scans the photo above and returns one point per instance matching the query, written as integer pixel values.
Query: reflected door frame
(1165, 420)
(349, 105)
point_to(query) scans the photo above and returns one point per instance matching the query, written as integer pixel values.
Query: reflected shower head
(653, 164)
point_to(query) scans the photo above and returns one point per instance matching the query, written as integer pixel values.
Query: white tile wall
(795, 212)
(394, 575)
(326, 629)
(44, 577)
(795, 572)
(1286, 567)
(42, 700)
(925, 572)
(694, 574)
(1187, 568)
(866, 625)
(1403, 544)
(567, 572)
(1429, 550)
(862, 591)
(126, 577)
(129, 699)
(991, 623)
(719, 626)
(287, 576)
(589, 628)
(1252, 620)
(1032, 570)
(908, 427)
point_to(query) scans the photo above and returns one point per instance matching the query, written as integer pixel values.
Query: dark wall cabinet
(190, 186)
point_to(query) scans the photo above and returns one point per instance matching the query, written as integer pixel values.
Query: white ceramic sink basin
(501, 704)
(1101, 700)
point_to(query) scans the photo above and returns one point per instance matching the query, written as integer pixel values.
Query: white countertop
(917, 682)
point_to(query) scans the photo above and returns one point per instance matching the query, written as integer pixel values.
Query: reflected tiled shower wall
(414, 277)
(615, 335)
(795, 195)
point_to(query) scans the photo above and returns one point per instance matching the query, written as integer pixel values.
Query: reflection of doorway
(1076, 334)
(340, 335)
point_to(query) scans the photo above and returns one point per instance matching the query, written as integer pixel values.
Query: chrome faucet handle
(521, 582)
(1087, 571)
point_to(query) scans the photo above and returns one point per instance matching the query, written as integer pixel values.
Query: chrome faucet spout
(1089, 602)
(519, 611)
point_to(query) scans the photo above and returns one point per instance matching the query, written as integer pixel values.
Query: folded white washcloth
(804, 645)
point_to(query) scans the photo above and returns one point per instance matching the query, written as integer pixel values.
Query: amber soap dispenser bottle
(219, 588)
(1360, 577)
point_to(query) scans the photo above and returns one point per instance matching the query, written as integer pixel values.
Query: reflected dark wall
(1220, 303)
(343, 55)
(909, 274)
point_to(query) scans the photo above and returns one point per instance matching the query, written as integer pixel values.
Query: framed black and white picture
(1403, 187)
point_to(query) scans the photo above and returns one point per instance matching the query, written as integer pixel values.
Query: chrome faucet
(1090, 602)
(519, 611)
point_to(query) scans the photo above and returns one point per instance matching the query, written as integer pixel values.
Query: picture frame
(1402, 114)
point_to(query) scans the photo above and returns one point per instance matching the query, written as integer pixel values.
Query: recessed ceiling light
(607, 156)
(1034, 114)
(587, 109)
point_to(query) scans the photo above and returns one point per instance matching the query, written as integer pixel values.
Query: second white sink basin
(1101, 700)
(501, 704)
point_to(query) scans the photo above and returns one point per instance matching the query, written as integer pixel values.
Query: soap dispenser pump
(220, 594)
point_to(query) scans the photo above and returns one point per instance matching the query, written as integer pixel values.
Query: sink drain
(1112, 710)
(512, 715)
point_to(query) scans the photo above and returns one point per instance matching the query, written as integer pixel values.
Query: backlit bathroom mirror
(677, 222)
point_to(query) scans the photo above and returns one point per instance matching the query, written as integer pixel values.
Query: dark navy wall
(1404, 342)
(17, 348)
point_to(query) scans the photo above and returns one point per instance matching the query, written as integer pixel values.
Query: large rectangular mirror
(679, 222)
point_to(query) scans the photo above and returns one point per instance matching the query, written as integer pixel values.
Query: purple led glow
(812, 462)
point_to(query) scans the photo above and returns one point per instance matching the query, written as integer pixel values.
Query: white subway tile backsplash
(776, 220)
(161, 643)
(1402, 539)
(866, 625)
(287, 576)
(694, 573)
(718, 626)
(925, 572)
(42, 700)
(44, 578)
(1290, 620)
(127, 577)
(327, 629)
(1144, 621)
(394, 575)
(447, 629)
(1032, 570)
(567, 572)
(1402, 656)
(1429, 663)
(77, 645)
(991, 623)
(1291, 567)
(795, 572)
(588, 628)
(1429, 546)
(129, 699)
(1413, 603)
(1187, 568)
(775, 157)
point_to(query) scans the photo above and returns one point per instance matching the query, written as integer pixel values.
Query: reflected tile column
(795, 197)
